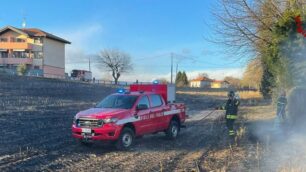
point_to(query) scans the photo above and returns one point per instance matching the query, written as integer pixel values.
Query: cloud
(82, 36)
(83, 42)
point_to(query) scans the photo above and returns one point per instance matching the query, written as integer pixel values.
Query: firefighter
(231, 107)
(280, 118)
(281, 106)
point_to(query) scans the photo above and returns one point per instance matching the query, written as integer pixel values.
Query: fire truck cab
(122, 116)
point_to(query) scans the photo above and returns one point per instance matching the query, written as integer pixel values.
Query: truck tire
(173, 130)
(126, 139)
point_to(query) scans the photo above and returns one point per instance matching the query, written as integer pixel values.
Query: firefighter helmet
(231, 94)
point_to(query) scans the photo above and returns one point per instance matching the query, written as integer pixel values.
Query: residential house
(42, 53)
(219, 84)
(201, 82)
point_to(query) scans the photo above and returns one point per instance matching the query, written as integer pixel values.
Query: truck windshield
(118, 102)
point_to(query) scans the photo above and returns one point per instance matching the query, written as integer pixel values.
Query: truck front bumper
(106, 132)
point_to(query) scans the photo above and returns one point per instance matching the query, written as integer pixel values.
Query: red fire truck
(124, 115)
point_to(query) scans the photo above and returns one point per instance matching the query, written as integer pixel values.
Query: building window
(3, 39)
(38, 54)
(19, 54)
(36, 67)
(4, 54)
(37, 40)
(20, 40)
(13, 39)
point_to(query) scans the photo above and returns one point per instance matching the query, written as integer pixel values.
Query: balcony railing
(16, 61)
(15, 45)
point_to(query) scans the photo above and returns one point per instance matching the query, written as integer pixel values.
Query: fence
(120, 83)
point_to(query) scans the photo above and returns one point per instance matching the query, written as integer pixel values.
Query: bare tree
(252, 75)
(116, 61)
(246, 26)
(203, 75)
(234, 82)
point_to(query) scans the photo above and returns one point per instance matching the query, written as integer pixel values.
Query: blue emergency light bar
(155, 82)
(121, 90)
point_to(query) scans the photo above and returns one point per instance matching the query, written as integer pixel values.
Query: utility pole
(171, 68)
(89, 65)
(176, 72)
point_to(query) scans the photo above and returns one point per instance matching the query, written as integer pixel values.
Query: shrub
(21, 69)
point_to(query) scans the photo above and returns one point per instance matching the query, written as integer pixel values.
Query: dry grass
(258, 113)
(227, 159)
(242, 94)
(240, 154)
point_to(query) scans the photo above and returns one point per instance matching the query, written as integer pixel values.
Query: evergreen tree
(267, 83)
(178, 77)
(185, 79)
(181, 79)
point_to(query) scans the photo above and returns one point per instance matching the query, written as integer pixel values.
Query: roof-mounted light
(121, 90)
(155, 82)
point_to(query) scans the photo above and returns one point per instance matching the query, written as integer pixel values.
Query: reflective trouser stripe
(282, 103)
(231, 116)
(231, 132)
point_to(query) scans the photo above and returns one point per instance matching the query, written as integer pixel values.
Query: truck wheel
(173, 130)
(126, 139)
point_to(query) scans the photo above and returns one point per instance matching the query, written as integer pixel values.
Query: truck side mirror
(142, 107)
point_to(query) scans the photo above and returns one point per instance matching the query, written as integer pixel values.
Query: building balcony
(15, 45)
(15, 61)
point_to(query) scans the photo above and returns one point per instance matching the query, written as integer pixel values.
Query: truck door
(145, 124)
(157, 108)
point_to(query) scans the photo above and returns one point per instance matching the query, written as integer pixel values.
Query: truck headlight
(75, 121)
(100, 122)
(110, 120)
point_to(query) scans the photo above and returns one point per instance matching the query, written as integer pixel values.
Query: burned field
(35, 121)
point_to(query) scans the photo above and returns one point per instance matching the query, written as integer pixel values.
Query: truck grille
(85, 122)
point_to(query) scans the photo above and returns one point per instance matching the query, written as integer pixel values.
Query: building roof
(202, 79)
(34, 32)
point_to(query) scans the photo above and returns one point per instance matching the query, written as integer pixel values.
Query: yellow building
(219, 84)
(201, 82)
(204, 82)
(41, 52)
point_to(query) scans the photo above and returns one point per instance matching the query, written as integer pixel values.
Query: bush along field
(36, 116)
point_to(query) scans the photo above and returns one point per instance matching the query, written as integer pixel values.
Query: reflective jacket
(231, 108)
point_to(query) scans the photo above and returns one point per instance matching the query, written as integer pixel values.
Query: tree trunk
(116, 81)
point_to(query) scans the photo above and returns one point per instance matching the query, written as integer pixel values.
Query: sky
(148, 30)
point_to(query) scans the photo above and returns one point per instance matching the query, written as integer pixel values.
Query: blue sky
(149, 30)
